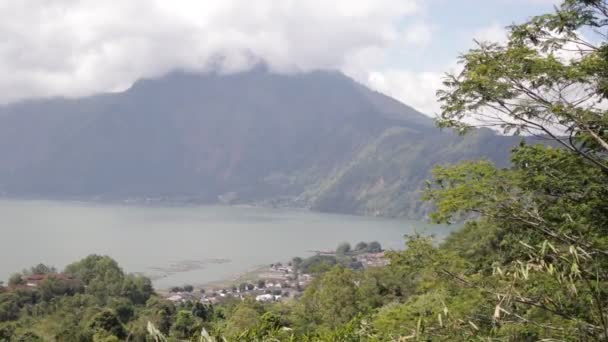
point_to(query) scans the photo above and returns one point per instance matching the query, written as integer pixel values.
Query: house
(175, 298)
(264, 298)
(34, 280)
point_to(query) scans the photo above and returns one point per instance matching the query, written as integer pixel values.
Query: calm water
(144, 239)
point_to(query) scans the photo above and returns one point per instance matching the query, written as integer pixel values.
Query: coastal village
(275, 282)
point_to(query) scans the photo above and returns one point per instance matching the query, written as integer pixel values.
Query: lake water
(159, 241)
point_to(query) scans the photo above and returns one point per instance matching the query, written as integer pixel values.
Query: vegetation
(344, 255)
(91, 300)
(530, 263)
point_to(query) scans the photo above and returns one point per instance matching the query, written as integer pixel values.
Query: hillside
(315, 140)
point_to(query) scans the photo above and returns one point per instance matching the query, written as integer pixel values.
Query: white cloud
(416, 89)
(79, 47)
(494, 33)
(418, 34)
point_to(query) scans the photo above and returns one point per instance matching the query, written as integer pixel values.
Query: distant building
(265, 298)
(175, 298)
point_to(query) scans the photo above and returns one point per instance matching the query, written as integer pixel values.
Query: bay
(181, 245)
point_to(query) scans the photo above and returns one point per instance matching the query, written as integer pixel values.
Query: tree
(107, 321)
(123, 308)
(7, 331)
(43, 269)
(53, 286)
(361, 246)
(374, 247)
(138, 289)
(244, 318)
(202, 311)
(188, 288)
(537, 236)
(10, 304)
(296, 261)
(101, 275)
(185, 325)
(15, 280)
(318, 264)
(28, 336)
(550, 79)
(331, 300)
(343, 249)
(163, 313)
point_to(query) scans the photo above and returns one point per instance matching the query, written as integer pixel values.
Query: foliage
(107, 324)
(343, 249)
(185, 325)
(550, 78)
(541, 222)
(244, 317)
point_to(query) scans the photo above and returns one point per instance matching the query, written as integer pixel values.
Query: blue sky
(445, 29)
(454, 23)
(399, 47)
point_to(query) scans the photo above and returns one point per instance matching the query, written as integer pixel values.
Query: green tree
(7, 331)
(296, 262)
(185, 325)
(42, 269)
(537, 243)
(124, 309)
(163, 313)
(28, 336)
(361, 247)
(244, 318)
(15, 280)
(107, 322)
(343, 249)
(374, 247)
(202, 311)
(549, 78)
(331, 300)
(101, 275)
(53, 286)
(138, 289)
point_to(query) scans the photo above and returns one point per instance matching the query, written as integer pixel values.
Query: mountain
(316, 140)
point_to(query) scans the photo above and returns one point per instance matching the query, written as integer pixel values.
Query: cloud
(418, 34)
(494, 33)
(80, 47)
(416, 89)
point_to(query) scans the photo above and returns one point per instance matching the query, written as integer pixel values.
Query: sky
(74, 48)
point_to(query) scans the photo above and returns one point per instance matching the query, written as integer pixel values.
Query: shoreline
(191, 203)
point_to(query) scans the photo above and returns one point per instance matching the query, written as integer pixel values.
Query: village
(278, 281)
(274, 283)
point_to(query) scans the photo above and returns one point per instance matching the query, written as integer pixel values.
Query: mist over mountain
(314, 140)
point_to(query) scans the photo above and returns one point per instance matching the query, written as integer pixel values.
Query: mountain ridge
(315, 140)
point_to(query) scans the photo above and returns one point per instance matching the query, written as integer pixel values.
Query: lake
(181, 245)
